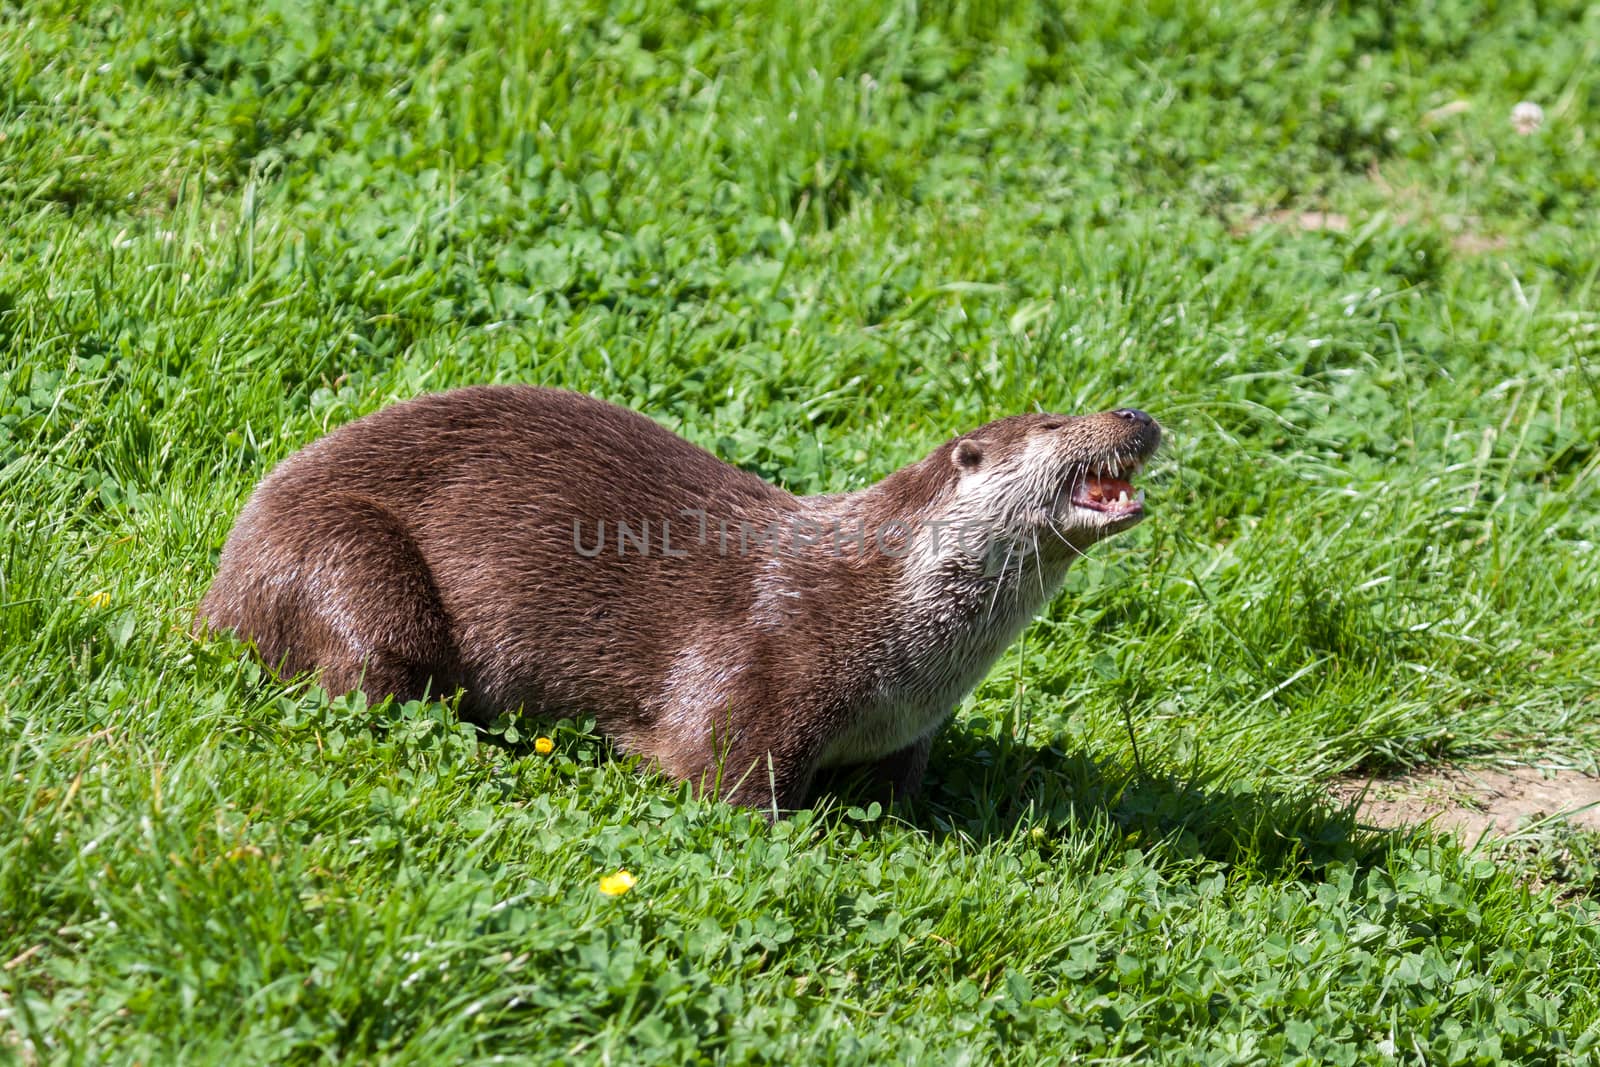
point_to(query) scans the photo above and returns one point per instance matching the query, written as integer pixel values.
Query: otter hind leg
(339, 587)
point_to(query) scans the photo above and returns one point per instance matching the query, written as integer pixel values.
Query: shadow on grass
(988, 790)
(991, 789)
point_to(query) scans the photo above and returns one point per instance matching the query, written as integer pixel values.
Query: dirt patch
(1476, 244)
(1464, 236)
(1475, 801)
(1310, 221)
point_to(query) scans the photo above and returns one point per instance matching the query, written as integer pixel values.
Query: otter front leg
(894, 778)
(899, 774)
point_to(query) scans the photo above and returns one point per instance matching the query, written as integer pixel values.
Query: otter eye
(1053, 424)
(969, 454)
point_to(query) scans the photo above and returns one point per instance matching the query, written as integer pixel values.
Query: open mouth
(1108, 491)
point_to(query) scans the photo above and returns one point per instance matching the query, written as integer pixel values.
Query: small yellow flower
(101, 599)
(614, 885)
(543, 745)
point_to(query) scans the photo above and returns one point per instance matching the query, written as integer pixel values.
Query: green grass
(818, 238)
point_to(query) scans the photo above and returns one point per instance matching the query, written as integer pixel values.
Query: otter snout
(1140, 426)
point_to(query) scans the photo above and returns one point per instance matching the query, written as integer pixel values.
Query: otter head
(1056, 482)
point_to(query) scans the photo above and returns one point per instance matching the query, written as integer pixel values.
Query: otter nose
(1135, 416)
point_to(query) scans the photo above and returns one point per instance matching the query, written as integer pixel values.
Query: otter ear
(968, 454)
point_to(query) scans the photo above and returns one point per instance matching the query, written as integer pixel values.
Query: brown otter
(541, 549)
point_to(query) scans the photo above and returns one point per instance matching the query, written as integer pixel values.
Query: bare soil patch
(1310, 221)
(1476, 800)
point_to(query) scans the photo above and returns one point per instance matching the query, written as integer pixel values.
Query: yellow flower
(543, 745)
(614, 885)
(101, 599)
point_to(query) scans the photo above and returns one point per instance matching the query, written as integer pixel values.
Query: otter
(537, 549)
